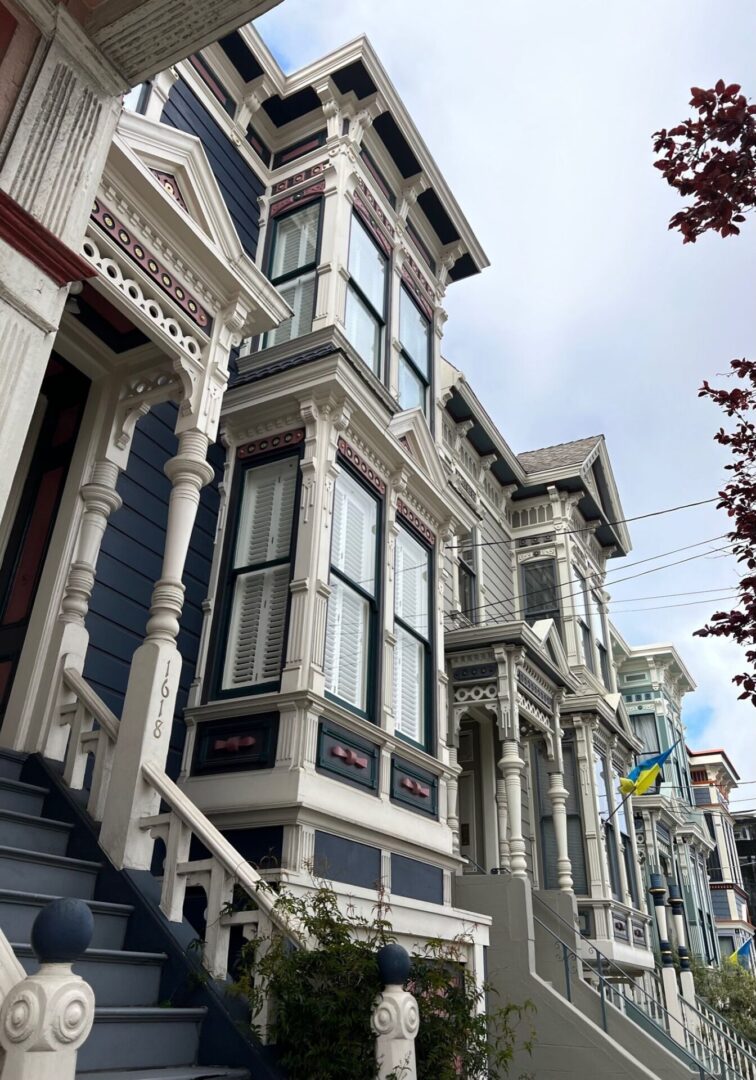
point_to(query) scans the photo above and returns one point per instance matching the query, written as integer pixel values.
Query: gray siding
(496, 570)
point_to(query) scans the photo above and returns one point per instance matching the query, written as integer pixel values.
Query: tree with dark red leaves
(713, 160)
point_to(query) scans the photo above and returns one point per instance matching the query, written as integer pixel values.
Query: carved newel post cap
(62, 931)
(657, 883)
(674, 892)
(393, 964)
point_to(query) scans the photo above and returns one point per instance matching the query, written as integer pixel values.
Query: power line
(591, 528)
(667, 596)
(668, 607)
(559, 590)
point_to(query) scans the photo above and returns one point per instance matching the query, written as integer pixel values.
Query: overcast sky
(592, 317)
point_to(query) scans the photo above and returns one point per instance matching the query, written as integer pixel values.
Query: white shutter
(353, 544)
(296, 241)
(300, 296)
(346, 644)
(411, 594)
(267, 513)
(256, 632)
(409, 689)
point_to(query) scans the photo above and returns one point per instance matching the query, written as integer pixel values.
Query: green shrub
(731, 990)
(322, 999)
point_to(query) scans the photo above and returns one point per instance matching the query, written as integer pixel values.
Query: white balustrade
(91, 729)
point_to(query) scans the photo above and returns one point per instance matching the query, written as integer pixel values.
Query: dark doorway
(62, 397)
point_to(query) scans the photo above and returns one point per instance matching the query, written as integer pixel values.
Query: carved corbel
(137, 397)
(360, 121)
(409, 193)
(449, 255)
(256, 94)
(331, 103)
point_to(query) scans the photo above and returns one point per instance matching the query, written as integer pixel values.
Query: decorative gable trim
(170, 184)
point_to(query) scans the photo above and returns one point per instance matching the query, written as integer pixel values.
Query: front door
(470, 835)
(62, 399)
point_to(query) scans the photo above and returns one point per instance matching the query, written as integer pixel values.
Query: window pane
(267, 513)
(367, 265)
(411, 387)
(256, 631)
(346, 646)
(587, 647)
(363, 330)
(299, 294)
(355, 529)
(602, 793)
(467, 592)
(414, 331)
(540, 589)
(409, 685)
(296, 241)
(411, 578)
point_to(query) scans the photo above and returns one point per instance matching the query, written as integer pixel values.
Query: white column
(502, 823)
(511, 766)
(558, 795)
(150, 701)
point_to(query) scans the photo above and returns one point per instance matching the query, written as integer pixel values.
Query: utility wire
(575, 581)
(668, 607)
(591, 528)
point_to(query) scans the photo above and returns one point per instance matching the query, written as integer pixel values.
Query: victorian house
(280, 603)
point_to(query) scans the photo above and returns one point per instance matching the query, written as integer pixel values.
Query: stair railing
(92, 729)
(716, 1033)
(218, 871)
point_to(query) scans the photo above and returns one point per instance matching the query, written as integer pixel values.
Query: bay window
(412, 622)
(352, 605)
(540, 591)
(293, 260)
(582, 603)
(467, 579)
(605, 808)
(365, 315)
(257, 579)
(414, 359)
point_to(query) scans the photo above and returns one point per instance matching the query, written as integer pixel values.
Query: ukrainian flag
(739, 956)
(642, 777)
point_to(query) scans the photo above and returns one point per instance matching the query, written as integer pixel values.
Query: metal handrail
(704, 1007)
(691, 1038)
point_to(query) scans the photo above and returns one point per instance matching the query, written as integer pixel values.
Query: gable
(410, 429)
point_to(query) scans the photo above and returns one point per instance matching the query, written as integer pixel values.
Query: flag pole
(631, 793)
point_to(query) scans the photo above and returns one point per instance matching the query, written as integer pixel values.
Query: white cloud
(592, 317)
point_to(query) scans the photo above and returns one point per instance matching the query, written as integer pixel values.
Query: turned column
(677, 904)
(502, 823)
(71, 638)
(511, 766)
(558, 795)
(669, 975)
(150, 701)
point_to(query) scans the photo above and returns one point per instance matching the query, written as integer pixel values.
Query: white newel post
(677, 904)
(396, 1018)
(669, 975)
(47, 1016)
(150, 702)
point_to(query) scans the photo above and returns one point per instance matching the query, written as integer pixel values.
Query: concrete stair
(136, 1035)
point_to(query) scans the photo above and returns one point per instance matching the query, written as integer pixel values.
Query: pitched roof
(559, 456)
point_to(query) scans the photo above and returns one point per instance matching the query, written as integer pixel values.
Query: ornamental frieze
(144, 258)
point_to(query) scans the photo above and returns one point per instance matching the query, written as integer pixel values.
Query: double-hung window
(623, 823)
(540, 591)
(608, 826)
(598, 623)
(365, 316)
(468, 590)
(352, 605)
(258, 576)
(412, 623)
(293, 261)
(584, 620)
(414, 359)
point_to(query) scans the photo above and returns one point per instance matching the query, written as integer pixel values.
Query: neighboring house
(268, 561)
(745, 845)
(714, 779)
(672, 831)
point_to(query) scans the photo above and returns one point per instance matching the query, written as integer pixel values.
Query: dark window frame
(375, 603)
(306, 268)
(554, 612)
(425, 379)
(429, 645)
(213, 689)
(383, 321)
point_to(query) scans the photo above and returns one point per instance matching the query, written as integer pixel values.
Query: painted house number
(157, 731)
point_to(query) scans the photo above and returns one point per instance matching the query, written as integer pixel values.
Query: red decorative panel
(375, 208)
(349, 757)
(306, 195)
(362, 466)
(24, 233)
(271, 442)
(299, 178)
(417, 523)
(102, 216)
(169, 182)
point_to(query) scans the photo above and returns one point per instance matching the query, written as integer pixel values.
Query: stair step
(33, 832)
(18, 910)
(24, 798)
(141, 1039)
(57, 874)
(118, 978)
(188, 1072)
(11, 763)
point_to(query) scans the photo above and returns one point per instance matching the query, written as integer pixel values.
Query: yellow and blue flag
(740, 955)
(642, 777)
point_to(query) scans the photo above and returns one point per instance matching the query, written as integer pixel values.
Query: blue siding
(130, 563)
(240, 185)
